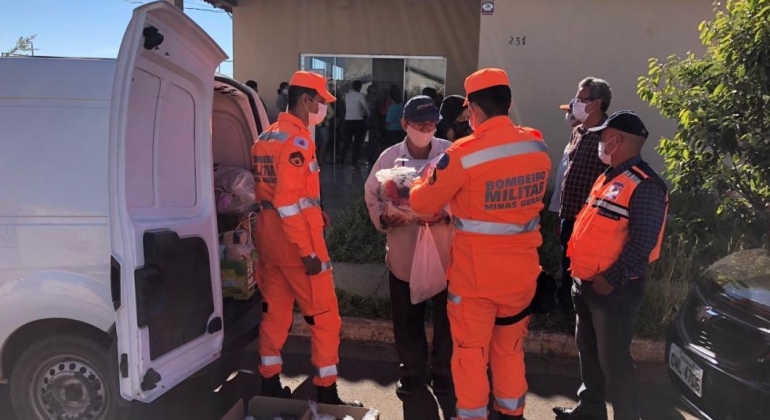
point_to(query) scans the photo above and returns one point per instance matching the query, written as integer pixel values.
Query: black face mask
(462, 129)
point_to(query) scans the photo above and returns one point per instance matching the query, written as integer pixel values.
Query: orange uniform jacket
(494, 181)
(601, 228)
(287, 187)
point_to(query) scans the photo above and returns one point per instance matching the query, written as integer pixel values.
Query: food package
(394, 190)
(238, 263)
(234, 190)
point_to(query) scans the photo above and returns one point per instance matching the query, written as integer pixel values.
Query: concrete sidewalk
(537, 342)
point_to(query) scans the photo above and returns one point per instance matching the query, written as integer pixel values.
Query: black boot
(563, 413)
(271, 387)
(329, 395)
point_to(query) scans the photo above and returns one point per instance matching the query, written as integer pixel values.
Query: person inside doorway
(373, 123)
(454, 123)
(356, 110)
(394, 132)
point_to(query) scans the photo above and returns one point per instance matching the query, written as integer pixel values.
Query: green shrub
(352, 238)
(721, 103)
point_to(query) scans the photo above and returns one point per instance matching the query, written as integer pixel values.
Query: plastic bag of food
(234, 190)
(394, 190)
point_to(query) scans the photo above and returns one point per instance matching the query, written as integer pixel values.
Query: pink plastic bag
(428, 276)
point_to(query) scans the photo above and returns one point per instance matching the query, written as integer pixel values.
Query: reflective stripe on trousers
(503, 151)
(271, 360)
(494, 228)
(512, 404)
(472, 413)
(327, 371)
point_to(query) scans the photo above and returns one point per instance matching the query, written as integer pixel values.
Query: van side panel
(54, 209)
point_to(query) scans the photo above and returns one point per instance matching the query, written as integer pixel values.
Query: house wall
(270, 35)
(568, 40)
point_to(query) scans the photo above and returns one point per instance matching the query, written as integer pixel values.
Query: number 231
(517, 41)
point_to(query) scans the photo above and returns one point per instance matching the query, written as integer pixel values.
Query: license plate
(686, 369)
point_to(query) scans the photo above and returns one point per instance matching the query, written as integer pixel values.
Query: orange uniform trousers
(483, 338)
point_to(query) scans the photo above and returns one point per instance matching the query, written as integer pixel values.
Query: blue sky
(92, 28)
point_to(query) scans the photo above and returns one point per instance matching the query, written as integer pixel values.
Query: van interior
(236, 124)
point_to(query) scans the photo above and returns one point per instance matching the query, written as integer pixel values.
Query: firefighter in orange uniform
(494, 182)
(294, 259)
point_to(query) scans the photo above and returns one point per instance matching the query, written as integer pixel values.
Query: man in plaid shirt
(590, 107)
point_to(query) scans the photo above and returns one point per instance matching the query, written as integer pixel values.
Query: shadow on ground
(369, 373)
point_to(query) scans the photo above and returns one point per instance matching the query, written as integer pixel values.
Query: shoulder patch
(443, 162)
(300, 142)
(432, 177)
(297, 159)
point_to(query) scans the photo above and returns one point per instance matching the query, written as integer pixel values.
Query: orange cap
(485, 78)
(314, 81)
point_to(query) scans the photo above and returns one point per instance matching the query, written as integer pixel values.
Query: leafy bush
(352, 238)
(721, 102)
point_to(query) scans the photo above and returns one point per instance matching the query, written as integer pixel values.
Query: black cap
(625, 121)
(421, 109)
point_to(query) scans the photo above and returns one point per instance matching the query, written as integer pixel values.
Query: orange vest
(601, 228)
(494, 182)
(290, 224)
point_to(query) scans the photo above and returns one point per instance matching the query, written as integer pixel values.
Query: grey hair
(599, 89)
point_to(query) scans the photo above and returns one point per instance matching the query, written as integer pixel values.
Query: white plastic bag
(315, 414)
(428, 276)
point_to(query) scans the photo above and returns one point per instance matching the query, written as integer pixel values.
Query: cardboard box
(264, 408)
(238, 278)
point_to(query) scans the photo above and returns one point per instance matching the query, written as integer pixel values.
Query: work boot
(441, 384)
(271, 387)
(576, 413)
(407, 384)
(329, 395)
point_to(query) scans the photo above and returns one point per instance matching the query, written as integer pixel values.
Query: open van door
(166, 284)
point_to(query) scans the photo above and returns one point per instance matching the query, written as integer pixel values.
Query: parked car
(110, 287)
(718, 348)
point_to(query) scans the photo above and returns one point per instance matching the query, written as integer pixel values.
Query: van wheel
(64, 377)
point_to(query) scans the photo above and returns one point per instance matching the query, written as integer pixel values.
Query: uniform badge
(297, 159)
(614, 191)
(432, 177)
(443, 162)
(300, 142)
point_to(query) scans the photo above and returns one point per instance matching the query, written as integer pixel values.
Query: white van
(109, 255)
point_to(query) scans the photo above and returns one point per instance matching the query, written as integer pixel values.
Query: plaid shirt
(646, 214)
(583, 169)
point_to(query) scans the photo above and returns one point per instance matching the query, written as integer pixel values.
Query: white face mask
(579, 110)
(605, 157)
(315, 118)
(569, 118)
(418, 138)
